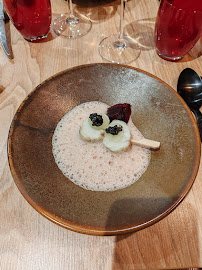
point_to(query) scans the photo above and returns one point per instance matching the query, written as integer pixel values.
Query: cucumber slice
(118, 142)
(104, 124)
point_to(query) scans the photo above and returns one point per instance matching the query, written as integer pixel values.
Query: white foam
(91, 165)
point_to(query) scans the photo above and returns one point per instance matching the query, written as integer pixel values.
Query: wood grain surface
(30, 241)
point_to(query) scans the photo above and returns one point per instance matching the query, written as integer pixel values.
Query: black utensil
(189, 87)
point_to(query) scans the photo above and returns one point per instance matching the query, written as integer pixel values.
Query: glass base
(168, 58)
(36, 38)
(118, 51)
(71, 26)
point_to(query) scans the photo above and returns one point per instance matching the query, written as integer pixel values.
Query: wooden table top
(30, 241)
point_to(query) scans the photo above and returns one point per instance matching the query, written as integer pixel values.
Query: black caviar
(96, 119)
(114, 130)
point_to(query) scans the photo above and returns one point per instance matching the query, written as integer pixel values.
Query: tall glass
(119, 48)
(71, 26)
(178, 27)
(31, 18)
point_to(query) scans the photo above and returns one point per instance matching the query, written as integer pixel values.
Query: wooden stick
(146, 143)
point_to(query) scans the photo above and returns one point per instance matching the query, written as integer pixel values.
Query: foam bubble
(91, 165)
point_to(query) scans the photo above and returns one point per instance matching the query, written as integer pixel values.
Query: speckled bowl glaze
(158, 112)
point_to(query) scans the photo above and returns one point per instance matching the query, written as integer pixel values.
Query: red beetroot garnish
(119, 112)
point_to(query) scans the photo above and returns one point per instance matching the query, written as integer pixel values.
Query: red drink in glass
(178, 27)
(32, 18)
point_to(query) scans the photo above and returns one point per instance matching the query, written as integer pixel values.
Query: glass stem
(120, 43)
(123, 6)
(71, 19)
(71, 9)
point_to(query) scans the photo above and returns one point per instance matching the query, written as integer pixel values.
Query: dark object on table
(190, 89)
(3, 38)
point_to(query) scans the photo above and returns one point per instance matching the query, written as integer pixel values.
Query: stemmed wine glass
(71, 26)
(119, 48)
